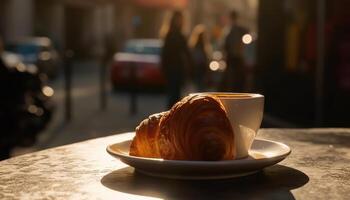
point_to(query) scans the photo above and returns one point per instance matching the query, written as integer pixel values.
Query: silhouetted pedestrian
(200, 49)
(233, 47)
(175, 55)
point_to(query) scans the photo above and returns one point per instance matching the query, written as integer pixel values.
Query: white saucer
(263, 153)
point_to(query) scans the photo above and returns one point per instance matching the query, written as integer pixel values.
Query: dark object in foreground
(25, 106)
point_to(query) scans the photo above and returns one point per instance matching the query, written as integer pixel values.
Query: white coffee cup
(245, 112)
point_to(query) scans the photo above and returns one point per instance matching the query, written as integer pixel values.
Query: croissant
(196, 128)
(144, 143)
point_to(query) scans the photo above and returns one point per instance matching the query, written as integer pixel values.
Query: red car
(138, 65)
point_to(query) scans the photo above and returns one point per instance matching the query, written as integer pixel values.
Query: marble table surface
(318, 168)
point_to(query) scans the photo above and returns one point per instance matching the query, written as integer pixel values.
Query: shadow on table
(272, 183)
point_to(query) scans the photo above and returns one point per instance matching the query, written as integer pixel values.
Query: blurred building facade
(83, 25)
(212, 12)
(87, 24)
(289, 60)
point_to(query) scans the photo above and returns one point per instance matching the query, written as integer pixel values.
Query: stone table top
(318, 168)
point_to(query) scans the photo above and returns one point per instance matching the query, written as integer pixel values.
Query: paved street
(88, 121)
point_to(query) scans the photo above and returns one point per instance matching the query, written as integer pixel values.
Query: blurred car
(25, 105)
(138, 65)
(38, 51)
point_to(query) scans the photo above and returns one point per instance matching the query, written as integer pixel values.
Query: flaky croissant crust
(144, 143)
(196, 128)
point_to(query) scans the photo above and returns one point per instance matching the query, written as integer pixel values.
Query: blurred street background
(97, 63)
